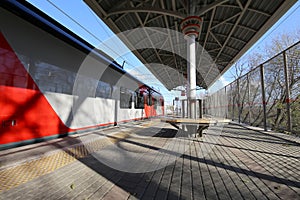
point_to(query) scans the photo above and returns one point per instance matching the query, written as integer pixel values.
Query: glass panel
(216, 104)
(103, 90)
(256, 114)
(125, 98)
(235, 102)
(275, 94)
(293, 60)
(138, 100)
(230, 101)
(244, 100)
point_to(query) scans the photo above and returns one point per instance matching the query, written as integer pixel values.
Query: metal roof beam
(259, 12)
(153, 19)
(215, 49)
(147, 10)
(155, 50)
(212, 34)
(178, 62)
(206, 37)
(249, 9)
(162, 46)
(165, 54)
(208, 73)
(209, 27)
(234, 38)
(233, 28)
(210, 7)
(175, 22)
(123, 15)
(148, 14)
(212, 50)
(151, 35)
(227, 39)
(240, 4)
(184, 6)
(168, 29)
(241, 26)
(223, 62)
(226, 20)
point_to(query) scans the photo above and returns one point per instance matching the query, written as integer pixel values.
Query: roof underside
(229, 28)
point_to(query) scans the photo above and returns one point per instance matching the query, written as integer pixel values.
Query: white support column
(191, 74)
(190, 27)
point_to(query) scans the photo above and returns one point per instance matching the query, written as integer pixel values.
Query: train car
(53, 83)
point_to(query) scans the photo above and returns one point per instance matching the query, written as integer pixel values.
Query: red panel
(12, 71)
(25, 113)
(147, 107)
(147, 110)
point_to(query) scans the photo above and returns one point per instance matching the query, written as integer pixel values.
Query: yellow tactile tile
(14, 176)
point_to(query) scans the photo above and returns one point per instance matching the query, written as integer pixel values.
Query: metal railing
(268, 96)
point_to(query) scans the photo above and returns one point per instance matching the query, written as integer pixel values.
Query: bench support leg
(200, 130)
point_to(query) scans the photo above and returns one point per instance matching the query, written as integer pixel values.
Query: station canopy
(152, 30)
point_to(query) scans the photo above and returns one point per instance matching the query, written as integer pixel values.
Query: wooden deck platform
(239, 164)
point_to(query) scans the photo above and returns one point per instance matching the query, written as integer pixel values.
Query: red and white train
(42, 93)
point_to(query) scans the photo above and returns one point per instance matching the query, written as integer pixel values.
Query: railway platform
(237, 163)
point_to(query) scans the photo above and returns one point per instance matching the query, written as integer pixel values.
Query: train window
(103, 90)
(155, 102)
(115, 92)
(149, 100)
(125, 98)
(162, 102)
(138, 100)
(55, 79)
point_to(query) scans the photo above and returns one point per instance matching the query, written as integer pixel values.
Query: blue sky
(79, 18)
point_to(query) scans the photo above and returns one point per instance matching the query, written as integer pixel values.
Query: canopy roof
(151, 29)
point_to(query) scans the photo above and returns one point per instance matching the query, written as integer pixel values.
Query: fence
(268, 96)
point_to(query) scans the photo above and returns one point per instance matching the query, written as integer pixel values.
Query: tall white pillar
(190, 27)
(191, 65)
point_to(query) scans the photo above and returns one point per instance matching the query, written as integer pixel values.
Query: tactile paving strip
(14, 176)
